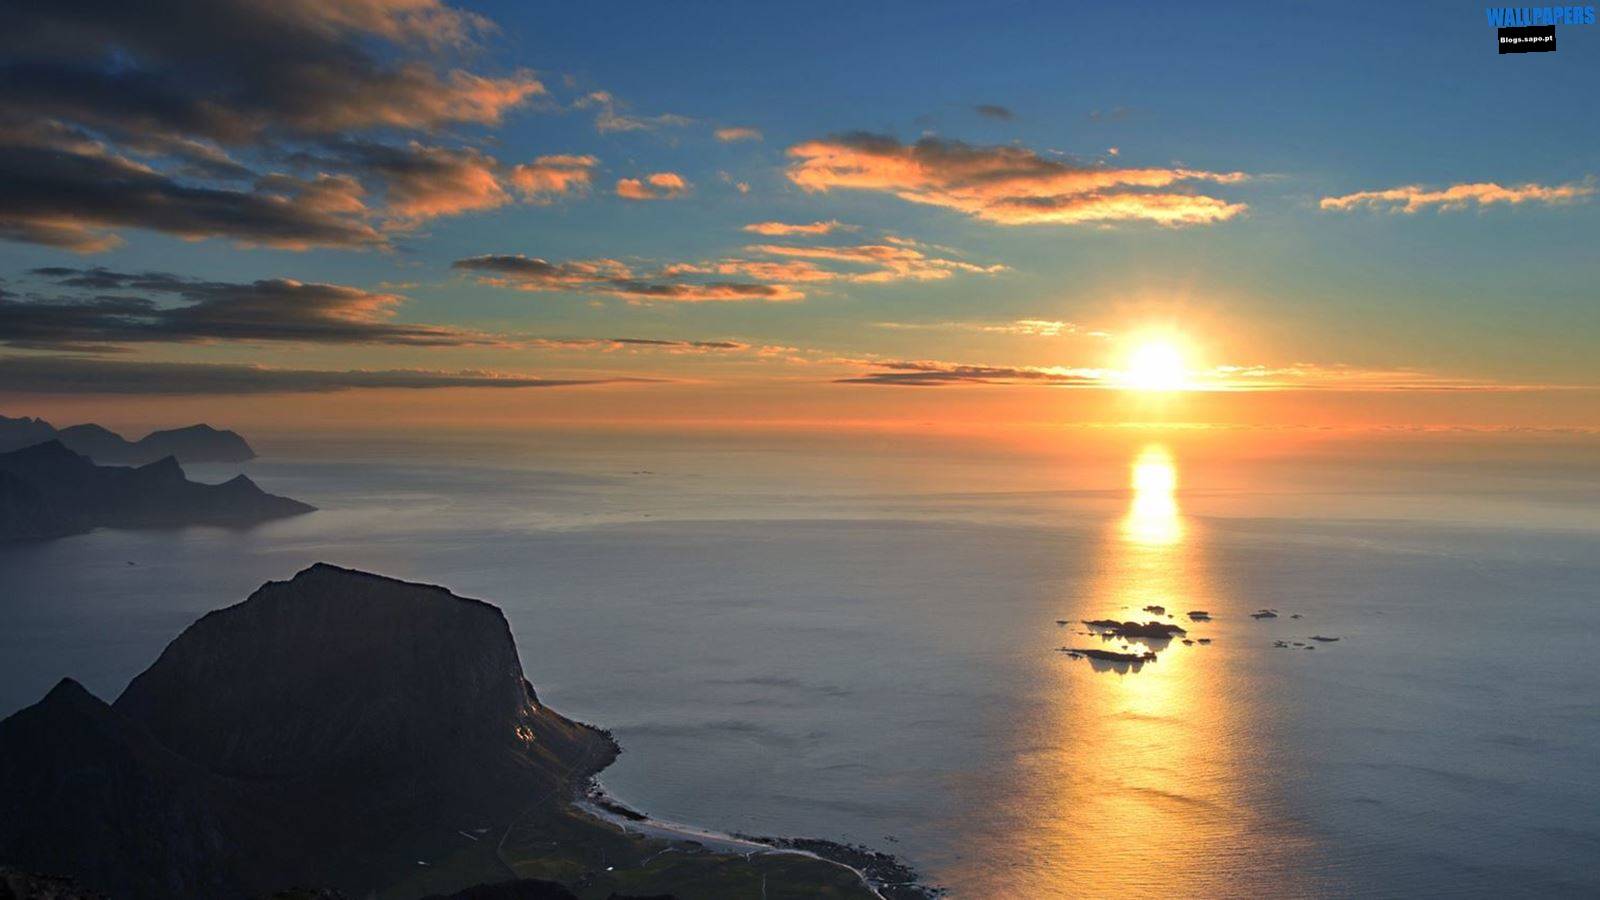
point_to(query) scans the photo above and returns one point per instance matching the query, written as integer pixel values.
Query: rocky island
(349, 734)
(1160, 631)
(47, 490)
(191, 444)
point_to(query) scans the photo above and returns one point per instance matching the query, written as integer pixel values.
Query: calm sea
(856, 639)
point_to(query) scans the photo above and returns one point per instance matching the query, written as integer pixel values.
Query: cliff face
(330, 730)
(339, 671)
(46, 489)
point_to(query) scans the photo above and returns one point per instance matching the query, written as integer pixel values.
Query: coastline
(882, 874)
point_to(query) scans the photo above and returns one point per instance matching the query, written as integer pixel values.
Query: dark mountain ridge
(46, 490)
(190, 444)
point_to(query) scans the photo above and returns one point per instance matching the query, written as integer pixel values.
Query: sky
(318, 213)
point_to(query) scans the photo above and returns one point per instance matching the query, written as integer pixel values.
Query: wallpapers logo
(1532, 29)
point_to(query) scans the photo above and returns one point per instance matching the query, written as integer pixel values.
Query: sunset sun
(1155, 365)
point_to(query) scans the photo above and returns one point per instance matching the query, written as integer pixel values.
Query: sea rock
(1155, 630)
(1109, 655)
(1156, 610)
(1325, 640)
(1199, 615)
(1264, 614)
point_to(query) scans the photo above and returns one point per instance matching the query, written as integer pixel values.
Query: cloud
(729, 135)
(84, 375)
(887, 262)
(422, 182)
(106, 309)
(1231, 378)
(905, 373)
(994, 111)
(613, 278)
(74, 195)
(180, 116)
(232, 70)
(549, 177)
(656, 186)
(771, 273)
(1412, 198)
(1009, 185)
(779, 229)
(609, 117)
(1029, 327)
(1354, 379)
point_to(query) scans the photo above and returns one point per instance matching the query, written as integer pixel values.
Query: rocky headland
(349, 735)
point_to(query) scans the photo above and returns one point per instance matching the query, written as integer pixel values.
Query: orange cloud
(428, 182)
(1008, 185)
(1411, 198)
(1225, 378)
(779, 229)
(890, 262)
(656, 186)
(728, 135)
(549, 177)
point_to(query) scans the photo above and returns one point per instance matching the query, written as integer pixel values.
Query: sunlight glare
(1155, 366)
(1152, 518)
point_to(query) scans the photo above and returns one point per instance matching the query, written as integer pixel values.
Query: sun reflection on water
(1138, 780)
(1152, 518)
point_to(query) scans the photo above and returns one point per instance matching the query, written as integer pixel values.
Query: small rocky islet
(1164, 632)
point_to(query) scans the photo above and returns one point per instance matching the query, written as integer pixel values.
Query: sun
(1155, 365)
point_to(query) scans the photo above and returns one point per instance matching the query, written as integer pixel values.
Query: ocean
(856, 638)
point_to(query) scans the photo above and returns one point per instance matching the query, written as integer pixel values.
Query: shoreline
(596, 803)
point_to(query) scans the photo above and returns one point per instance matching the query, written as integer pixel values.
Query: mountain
(24, 432)
(192, 444)
(46, 490)
(341, 731)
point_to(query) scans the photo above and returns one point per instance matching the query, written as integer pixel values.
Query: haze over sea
(854, 638)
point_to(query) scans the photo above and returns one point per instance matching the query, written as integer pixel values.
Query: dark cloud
(172, 115)
(75, 197)
(105, 309)
(419, 181)
(695, 345)
(231, 71)
(616, 279)
(995, 111)
(938, 374)
(79, 375)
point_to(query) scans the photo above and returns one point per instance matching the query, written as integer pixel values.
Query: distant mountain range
(47, 490)
(193, 444)
(349, 732)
